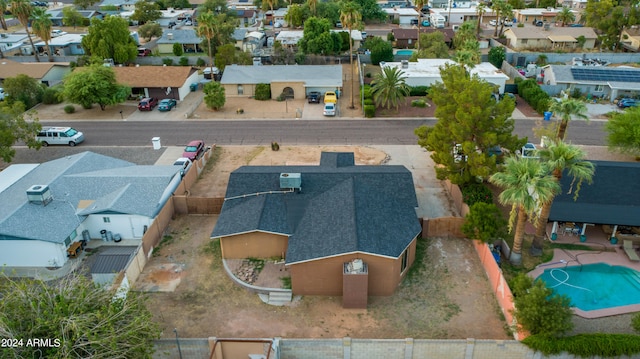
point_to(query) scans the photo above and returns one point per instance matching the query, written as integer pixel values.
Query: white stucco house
(47, 207)
(426, 72)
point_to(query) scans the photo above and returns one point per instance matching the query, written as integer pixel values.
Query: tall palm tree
(566, 15)
(206, 28)
(567, 109)
(480, 10)
(526, 185)
(41, 25)
(419, 4)
(351, 18)
(389, 87)
(496, 6)
(312, 6)
(559, 157)
(22, 10)
(4, 6)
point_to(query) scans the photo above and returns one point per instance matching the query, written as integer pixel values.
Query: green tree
(539, 310)
(469, 54)
(228, 54)
(567, 110)
(560, 157)
(94, 84)
(316, 38)
(419, 4)
(565, 16)
(506, 12)
(71, 16)
(215, 6)
(623, 131)
(22, 10)
(214, 95)
(110, 38)
(371, 11)
(216, 30)
(24, 89)
(432, 46)
(84, 4)
(312, 6)
(41, 25)
(15, 128)
(89, 321)
(329, 11)
(381, 50)
(4, 7)
(484, 222)
(481, 9)
(497, 55)
(150, 30)
(351, 19)
(466, 32)
(177, 49)
(146, 11)
(294, 16)
(526, 186)
(497, 6)
(389, 87)
(470, 123)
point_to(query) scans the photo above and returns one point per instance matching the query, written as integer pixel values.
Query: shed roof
(112, 259)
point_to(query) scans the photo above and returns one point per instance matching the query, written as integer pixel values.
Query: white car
(493, 23)
(183, 162)
(329, 109)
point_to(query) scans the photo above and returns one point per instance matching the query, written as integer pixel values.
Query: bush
(419, 91)
(177, 49)
(87, 106)
(52, 95)
(476, 192)
(263, 92)
(369, 111)
(200, 62)
(368, 101)
(531, 92)
(419, 103)
(69, 109)
(635, 322)
(390, 37)
(281, 98)
(184, 61)
(590, 345)
(366, 92)
(167, 61)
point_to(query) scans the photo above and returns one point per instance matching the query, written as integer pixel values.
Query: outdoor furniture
(631, 252)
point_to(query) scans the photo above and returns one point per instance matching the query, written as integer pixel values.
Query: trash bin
(547, 115)
(194, 87)
(156, 143)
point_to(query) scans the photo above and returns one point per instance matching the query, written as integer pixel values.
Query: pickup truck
(314, 97)
(56, 33)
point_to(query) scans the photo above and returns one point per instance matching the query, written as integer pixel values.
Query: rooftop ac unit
(405, 64)
(39, 194)
(170, 36)
(290, 180)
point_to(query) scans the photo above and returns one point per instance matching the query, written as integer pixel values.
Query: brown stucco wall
(254, 244)
(324, 276)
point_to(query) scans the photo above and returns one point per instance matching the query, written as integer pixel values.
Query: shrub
(419, 103)
(635, 322)
(177, 49)
(368, 101)
(69, 109)
(200, 62)
(275, 146)
(476, 192)
(51, 95)
(87, 106)
(184, 61)
(484, 222)
(576, 93)
(531, 92)
(419, 91)
(366, 92)
(263, 92)
(167, 61)
(369, 111)
(281, 97)
(390, 37)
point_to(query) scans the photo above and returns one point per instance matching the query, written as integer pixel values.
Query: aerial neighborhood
(305, 179)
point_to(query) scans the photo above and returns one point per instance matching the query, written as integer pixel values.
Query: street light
(178, 342)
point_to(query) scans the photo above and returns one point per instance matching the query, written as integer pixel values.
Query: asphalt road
(290, 132)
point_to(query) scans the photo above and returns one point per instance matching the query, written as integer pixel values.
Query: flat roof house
(599, 81)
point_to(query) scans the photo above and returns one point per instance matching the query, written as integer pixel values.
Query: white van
(59, 136)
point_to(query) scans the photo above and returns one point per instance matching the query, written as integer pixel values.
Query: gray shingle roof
(114, 186)
(180, 36)
(311, 75)
(612, 198)
(341, 209)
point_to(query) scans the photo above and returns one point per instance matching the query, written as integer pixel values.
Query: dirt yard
(446, 296)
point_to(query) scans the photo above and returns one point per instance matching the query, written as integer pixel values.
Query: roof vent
(405, 64)
(290, 180)
(170, 36)
(39, 194)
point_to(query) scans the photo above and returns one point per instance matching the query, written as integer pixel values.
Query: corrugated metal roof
(112, 259)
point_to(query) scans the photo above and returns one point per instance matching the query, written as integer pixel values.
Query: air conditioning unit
(39, 194)
(290, 180)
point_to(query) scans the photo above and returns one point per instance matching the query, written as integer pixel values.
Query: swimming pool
(404, 52)
(595, 286)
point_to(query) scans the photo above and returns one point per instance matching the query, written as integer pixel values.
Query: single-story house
(57, 16)
(318, 218)
(612, 199)
(599, 81)
(550, 38)
(547, 15)
(461, 13)
(188, 38)
(403, 15)
(64, 45)
(246, 17)
(276, 16)
(11, 44)
(48, 207)
(407, 38)
(120, 5)
(158, 81)
(48, 73)
(290, 38)
(426, 72)
(295, 81)
(630, 39)
(238, 36)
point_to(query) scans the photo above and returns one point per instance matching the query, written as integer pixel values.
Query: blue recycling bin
(547, 115)
(194, 87)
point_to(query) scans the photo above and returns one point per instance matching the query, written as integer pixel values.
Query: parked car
(538, 23)
(147, 104)
(576, 25)
(329, 109)
(193, 150)
(143, 51)
(426, 23)
(508, 23)
(188, 23)
(59, 136)
(314, 97)
(628, 102)
(167, 104)
(183, 162)
(330, 97)
(493, 22)
(339, 25)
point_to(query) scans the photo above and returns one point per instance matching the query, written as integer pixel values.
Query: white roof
(430, 68)
(64, 40)
(403, 11)
(13, 173)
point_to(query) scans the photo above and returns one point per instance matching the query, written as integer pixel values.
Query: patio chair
(631, 252)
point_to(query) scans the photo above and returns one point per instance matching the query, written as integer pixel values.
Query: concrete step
(280, 298)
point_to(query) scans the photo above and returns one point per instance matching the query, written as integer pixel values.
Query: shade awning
(562, 38)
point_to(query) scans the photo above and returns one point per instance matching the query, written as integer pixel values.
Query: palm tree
(419, 4)
(496, 6)
(312, 6)
(480, 9)
(565, 15)
(559, 157)
(22, 10)
(41, 25)
(526, 185)
(4, 5)
(206, 28)
(567, 109)
(350, 17)
(506, 12)
(389, 87)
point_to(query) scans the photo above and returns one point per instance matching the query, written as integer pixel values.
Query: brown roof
(153, 76)
(36, 70)
(405, 34)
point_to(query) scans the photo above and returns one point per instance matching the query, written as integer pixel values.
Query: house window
(73, 235)
(405, 260)
(524, 41)
(240, 90)
(67, 241)
(599, 88)
(106, 219)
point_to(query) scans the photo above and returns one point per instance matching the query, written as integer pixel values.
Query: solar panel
(605, 74)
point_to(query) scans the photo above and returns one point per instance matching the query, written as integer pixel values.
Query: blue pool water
(404, 52)
(595, 286)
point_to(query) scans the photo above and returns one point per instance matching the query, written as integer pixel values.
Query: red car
(193, 150)
(147, 104)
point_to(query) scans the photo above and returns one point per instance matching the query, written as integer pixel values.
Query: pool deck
(612, 254)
